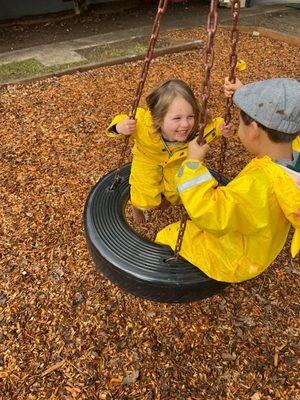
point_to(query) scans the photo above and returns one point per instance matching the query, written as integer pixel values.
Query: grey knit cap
(275, 103)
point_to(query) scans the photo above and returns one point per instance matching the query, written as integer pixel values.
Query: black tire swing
(135, 264)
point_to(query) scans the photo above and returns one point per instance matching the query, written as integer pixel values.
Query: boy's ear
(256, 130)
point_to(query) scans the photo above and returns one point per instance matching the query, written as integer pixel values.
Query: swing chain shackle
(162, 6)
(212, 23)
(235, 9)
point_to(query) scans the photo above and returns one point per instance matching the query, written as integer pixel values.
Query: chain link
(162, 6)
(235, 7)
(180, 235)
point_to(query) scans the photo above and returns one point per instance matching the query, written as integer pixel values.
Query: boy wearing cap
(230, 88)
(238, 230)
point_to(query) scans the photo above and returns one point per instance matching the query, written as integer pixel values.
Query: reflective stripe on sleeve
(194, 182)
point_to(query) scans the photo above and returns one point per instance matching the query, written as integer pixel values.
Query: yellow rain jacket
(155, 162)
(239, 229)
(296, 144)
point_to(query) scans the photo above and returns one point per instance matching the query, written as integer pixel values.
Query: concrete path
(65, 52)
(279, 18)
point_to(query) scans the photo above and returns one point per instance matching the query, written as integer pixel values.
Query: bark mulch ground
(68, 333)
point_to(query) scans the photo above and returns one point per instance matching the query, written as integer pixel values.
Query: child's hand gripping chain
(126, 126)
(217, 128)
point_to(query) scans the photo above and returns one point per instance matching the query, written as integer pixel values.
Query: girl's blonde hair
(160, 99)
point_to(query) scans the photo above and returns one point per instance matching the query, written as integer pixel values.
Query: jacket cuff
(113, 129)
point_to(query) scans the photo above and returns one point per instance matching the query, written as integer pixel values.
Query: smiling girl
(161, 133)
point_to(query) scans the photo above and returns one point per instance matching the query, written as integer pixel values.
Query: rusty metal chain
(212, 22)
(155, 31)
(180, 235)
(235, 8)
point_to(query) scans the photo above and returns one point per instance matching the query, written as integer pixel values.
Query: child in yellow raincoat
(160, 132)
(238, 230)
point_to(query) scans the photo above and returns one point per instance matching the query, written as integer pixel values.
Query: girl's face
(179, 121)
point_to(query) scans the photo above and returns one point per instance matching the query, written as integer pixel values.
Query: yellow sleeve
(140, 115)
(213, 129)
(296, 143)
(239, 206)
(115, 121)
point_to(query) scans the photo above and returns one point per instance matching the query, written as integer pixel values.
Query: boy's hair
(160, 99)
(273, 135)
